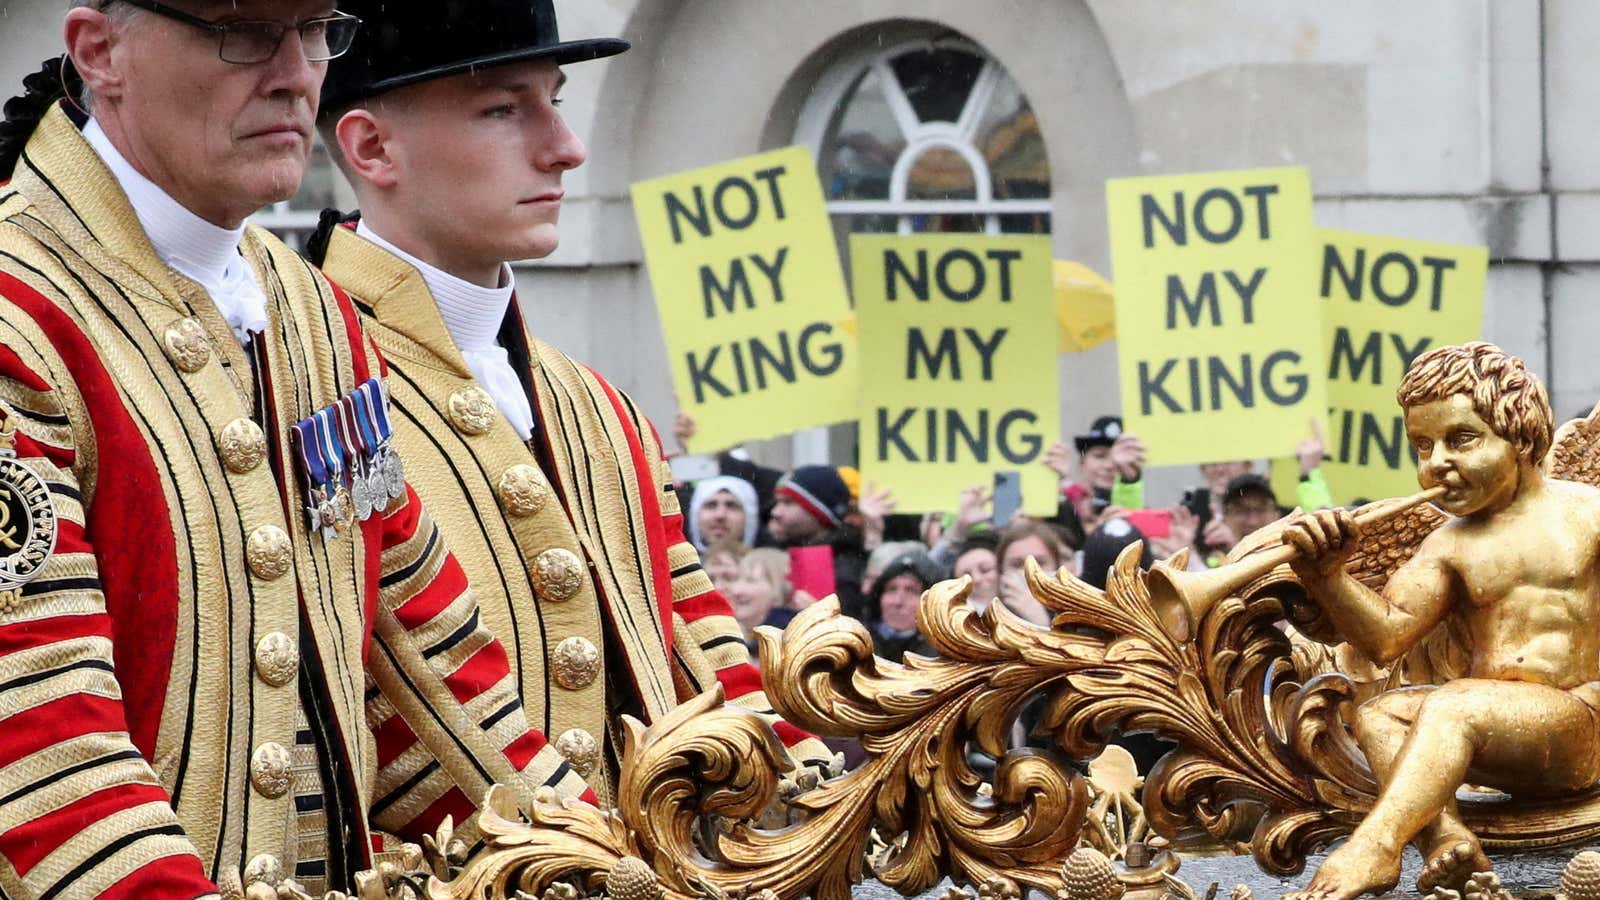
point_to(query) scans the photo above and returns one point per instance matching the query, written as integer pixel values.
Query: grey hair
(120, 14)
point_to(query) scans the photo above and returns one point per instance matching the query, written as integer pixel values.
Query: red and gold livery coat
(574, 541)
(163, 676)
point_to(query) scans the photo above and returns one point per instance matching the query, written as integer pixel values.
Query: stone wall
(1455, 120)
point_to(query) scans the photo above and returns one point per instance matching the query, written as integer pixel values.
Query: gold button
(472, 410)
(523, 490)
(557, 575)
(187, 344)
(269, 770)
(580, 750)
(277, 659)
(263, 869)
(243, 446)
(269, 552)
(577, 663)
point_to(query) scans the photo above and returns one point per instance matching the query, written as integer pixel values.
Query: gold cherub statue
(1519, 563)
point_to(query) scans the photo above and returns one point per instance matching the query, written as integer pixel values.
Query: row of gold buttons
(557, 573)
(268, 552)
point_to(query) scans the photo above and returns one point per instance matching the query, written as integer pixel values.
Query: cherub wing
(1390, 543)
(1575, 453)
(1382, 547)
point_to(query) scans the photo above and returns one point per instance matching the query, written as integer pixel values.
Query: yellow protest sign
(1386, 301)
(751, 295)
(1085, 313)
(1218, 333)
(958, 362)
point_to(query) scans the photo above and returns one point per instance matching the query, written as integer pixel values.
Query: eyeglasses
(245, 42)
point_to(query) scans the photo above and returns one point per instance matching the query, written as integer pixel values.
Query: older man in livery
(549, 482)
(200, 686)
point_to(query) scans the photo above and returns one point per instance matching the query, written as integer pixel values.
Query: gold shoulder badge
(27, 520)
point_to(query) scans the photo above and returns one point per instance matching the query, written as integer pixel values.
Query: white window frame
(831, 90)
(834, 88)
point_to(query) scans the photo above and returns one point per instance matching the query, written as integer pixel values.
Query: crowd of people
(764, 534)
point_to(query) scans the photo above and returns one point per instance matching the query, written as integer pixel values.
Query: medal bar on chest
(355, 443)
(334, 452)
(394, 473)
(371, 449)
(319, 493)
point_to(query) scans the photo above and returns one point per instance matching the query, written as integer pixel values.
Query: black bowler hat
(404, 42)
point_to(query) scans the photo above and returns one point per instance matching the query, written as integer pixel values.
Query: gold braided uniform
(573, 542)
(162, 673)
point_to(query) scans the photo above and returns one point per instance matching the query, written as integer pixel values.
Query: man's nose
(292, 72)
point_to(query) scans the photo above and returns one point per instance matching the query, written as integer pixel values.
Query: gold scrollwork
(914, 721)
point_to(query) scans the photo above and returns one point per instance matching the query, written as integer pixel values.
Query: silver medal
(361, 496)
(394, 473)
(377, 489)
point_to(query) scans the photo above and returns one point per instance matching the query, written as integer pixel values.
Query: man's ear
(90, 38)
(364, 142)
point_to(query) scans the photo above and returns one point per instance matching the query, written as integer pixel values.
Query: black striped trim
(559, 774)
(80, 768)
(52, 419)
(400, 575)
(108, 851)
(500, 714)
(36, 677)
(722, 641)
(39, 588)
(399, 793)
(455, 637)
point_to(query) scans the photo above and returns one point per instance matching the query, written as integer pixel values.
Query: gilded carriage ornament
(1460, 622)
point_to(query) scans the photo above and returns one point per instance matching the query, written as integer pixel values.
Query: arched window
(929, 135)
(923, 133)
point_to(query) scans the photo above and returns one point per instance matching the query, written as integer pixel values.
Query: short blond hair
(1504, 393)
(773, 566)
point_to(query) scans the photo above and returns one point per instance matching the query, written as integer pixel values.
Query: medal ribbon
(309, 450)
(350, 432)
(378, 399)
(367, 424)
(332, 445)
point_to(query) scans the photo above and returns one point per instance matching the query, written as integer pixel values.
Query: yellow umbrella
(1085, 313)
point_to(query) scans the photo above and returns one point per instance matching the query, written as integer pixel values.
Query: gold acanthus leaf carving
(914, 721)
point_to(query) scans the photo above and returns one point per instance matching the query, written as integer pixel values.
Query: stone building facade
(1468, 121)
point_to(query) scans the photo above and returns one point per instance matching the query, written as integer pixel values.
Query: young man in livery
(202, 688)
(549, 482)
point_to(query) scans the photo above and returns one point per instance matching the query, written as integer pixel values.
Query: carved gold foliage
(704, 757)
(1264, 756)
(914, 721)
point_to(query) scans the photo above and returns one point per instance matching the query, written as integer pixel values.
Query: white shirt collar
(473, 314)
(199, 250)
